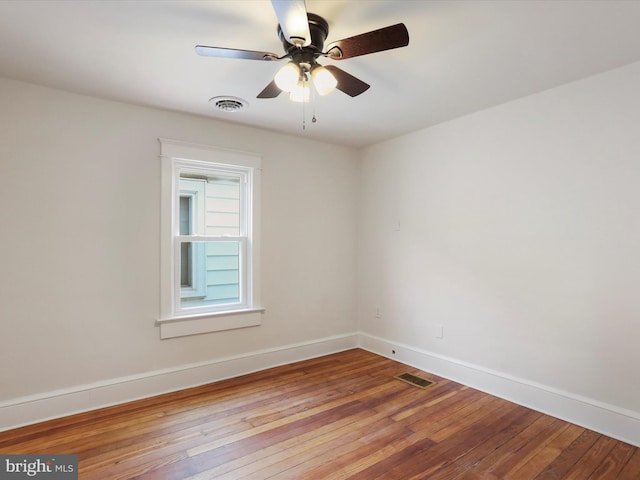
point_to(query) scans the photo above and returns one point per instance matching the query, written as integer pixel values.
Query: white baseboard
(36, 408)
(607, 419)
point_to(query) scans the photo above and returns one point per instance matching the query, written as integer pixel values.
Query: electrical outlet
(378, 313)
(439, 330)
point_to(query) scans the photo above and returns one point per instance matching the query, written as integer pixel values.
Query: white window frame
(177, 156)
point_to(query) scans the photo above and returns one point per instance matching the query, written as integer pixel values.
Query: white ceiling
(463, 56)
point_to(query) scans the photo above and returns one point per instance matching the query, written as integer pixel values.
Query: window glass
(221, 265)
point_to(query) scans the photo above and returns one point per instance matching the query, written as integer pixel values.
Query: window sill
(182, 326)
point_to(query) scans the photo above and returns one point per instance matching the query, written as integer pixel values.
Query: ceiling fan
(302, 35)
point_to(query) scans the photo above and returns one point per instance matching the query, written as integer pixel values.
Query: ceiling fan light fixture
(301, 92)
(287, 77)
(303, 36)
(323, 80)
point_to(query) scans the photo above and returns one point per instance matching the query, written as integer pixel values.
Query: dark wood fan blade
(347, 83)
(270, 91)
(234, 53)
(387, 38)
(293, 20)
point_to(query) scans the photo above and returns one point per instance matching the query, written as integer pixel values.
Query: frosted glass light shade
(287, 77)
(323, 80)
(301, 92)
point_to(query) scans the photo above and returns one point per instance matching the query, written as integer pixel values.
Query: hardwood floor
(342, 416)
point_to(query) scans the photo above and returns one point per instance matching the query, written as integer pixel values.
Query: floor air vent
(414, 380)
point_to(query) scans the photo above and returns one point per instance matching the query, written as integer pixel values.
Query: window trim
(173, 323)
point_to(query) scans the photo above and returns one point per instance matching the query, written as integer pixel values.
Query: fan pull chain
(313, 104)
(313, 118)
(312, 99)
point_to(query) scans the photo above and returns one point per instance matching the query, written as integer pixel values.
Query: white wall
(519, 233)
(79, 290)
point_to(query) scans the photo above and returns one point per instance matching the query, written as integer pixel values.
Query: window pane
(222, 206)
(186, 271)
(185, 215)
(215, 273)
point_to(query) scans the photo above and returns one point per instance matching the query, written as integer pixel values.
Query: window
(210, 242)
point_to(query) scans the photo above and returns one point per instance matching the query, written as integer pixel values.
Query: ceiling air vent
(228, 104)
